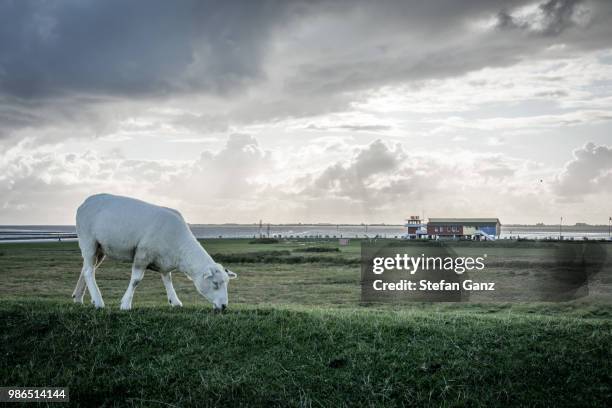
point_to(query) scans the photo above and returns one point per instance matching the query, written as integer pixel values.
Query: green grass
(294, 335)
(50, 271)
(317, 249)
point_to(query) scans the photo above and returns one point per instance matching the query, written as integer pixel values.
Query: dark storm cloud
(130, 47)
(353, 128)
(556, 16)
(142, 47)
(559, 14)
(414, 42)
(297, 58)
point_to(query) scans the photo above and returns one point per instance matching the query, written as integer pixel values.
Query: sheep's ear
(231, 274)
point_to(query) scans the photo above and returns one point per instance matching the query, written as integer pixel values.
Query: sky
(308, 111)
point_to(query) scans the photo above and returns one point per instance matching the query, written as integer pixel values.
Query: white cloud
(244, 182)
(589, 172)
(45, 185)
(386, 109)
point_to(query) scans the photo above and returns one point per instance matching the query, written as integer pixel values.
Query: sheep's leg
(79, 290)
(137, 275)
(89, 275)
(172, 297)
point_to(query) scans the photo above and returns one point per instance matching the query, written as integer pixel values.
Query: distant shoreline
(324, 224)
(34, 233)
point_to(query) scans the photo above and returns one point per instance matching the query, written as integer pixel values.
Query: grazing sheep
(151, 237)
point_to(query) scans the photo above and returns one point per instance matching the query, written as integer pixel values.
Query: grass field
(295, 335)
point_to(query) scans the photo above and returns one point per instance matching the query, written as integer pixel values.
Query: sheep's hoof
(96, 305)
(125, 307)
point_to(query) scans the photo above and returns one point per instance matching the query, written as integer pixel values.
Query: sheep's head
(213, 283)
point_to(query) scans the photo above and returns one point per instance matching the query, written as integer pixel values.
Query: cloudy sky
(308, 111)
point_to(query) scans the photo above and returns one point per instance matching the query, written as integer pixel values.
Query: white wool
(150, 236)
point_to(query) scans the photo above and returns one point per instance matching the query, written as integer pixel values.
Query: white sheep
(151, 237)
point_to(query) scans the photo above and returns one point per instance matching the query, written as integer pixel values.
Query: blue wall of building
(488, 229)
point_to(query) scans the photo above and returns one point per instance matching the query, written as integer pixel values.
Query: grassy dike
(294, 336)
